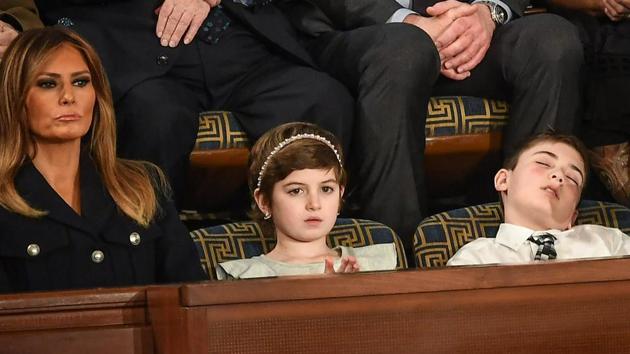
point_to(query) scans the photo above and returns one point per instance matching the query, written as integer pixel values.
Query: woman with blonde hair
(73, 215)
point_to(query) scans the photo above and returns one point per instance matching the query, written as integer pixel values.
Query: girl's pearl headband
(288, 141)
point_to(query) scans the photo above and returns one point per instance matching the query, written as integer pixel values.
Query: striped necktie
(546, 250)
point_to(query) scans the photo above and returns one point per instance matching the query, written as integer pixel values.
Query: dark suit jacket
(123, 33)
(21, 14)
(66, 241)
(314, 17)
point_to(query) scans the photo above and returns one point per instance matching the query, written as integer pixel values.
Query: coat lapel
(33, 187)
(96, 204)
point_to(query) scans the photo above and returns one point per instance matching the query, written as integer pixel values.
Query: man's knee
(329, 104)
(555, 39)
(406, 54)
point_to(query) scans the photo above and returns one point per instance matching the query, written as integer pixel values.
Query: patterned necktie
(546, 250)
(214, 27)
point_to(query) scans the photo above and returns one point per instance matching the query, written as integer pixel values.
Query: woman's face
(60, 103)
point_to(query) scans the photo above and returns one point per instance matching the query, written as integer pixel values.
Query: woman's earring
(267, 216)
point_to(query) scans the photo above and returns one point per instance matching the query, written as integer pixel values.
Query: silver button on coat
(134, 238)
(98, 256)
(32, 249)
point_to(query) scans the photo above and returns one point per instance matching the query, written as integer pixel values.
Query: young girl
(297, 178)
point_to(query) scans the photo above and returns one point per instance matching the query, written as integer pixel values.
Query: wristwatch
(498, 13)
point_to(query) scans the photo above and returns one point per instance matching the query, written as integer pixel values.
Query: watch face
(499, 14)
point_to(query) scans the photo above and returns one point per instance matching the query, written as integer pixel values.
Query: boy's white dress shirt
(511, 245)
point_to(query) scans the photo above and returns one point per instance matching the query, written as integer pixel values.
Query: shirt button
(134, 238)
(98, 256)
(32, 249)
(162, 59)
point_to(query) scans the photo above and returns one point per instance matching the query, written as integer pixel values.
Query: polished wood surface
(580, 306)
(455, 164)
(229, 166)
(560, 307)
(81, 321)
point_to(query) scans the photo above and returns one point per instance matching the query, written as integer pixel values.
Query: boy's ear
(501, 180)
(260, 200)
(342, 189)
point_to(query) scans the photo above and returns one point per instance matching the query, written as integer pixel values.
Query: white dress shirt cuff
(507, 9)
(400, 15)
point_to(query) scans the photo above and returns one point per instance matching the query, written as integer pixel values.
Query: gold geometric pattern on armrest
(229, 242)
(359, 233)
(606, 214)
(438, 237)
(219, 130)
(446, 116)
(463, 115)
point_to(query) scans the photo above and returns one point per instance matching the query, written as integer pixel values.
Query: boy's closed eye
(542, 163)
(575, 179)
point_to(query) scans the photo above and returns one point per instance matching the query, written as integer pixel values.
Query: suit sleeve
(350, 14)
(21, 14)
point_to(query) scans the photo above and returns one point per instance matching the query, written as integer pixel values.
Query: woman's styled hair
(131, 184)
(291, 147)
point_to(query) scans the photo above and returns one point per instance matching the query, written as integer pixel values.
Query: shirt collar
(514, 236)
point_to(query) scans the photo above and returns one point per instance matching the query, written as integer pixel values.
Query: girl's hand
(348, 265)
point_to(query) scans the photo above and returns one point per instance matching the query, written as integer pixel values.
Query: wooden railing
(562, 307)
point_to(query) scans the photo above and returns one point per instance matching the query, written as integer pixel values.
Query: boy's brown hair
(570, 140)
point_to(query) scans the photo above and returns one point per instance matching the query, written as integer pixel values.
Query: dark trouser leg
(279, 91)
(158, 122)
(535, 62)
(264, 88)
(391, 69)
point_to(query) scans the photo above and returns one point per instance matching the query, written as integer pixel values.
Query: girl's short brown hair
(300, 154)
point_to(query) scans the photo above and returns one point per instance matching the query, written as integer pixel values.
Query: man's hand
(451, 10)
(465, 42)
(617, 10)
(7, 35)
(348, 265)
(176, 17)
